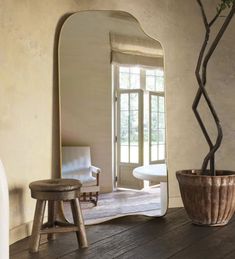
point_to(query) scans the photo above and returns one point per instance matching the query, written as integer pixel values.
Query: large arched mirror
(113, 130)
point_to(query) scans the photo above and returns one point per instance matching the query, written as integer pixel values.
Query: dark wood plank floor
(172, 236)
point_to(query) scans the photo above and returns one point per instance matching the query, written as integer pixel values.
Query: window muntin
(154, 80)
(129, 77)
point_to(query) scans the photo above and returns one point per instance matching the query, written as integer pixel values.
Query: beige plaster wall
(28, 86)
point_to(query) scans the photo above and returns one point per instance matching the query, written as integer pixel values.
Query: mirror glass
(112, 96)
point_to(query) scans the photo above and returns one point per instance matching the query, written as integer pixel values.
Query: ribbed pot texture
(208, 200)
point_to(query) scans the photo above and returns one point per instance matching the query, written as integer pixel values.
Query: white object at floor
(4, 215)
(155, 173)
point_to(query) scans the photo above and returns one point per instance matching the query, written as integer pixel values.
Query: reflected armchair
(76, 164)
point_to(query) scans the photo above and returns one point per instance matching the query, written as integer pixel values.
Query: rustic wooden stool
(56, 190)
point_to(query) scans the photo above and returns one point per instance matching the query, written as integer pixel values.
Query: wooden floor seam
(139, 237)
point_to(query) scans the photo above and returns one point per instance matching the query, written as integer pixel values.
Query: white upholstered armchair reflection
(76, 164)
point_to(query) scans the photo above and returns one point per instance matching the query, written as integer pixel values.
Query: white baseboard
(20, 232)
(175, 202)
(105, 189)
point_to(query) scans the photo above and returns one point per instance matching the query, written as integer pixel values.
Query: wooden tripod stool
(56, 190)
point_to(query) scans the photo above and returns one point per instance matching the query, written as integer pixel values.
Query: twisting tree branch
(216, 16)
(197, 72)
(201, 73)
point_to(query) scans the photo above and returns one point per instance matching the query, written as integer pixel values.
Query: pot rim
(192, 173)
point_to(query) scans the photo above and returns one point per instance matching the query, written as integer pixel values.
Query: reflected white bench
(155, 173)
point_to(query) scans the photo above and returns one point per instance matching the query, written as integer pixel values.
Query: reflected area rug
(122, 203)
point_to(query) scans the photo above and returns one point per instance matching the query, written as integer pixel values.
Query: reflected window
(129, 77)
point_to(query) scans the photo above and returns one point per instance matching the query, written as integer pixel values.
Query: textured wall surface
(28, 89)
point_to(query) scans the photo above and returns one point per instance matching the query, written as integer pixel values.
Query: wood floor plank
(132, 238)
(168, 244)
(140, 237)
(67, 242)
(216, 245)
(230, 255)
(186, 237)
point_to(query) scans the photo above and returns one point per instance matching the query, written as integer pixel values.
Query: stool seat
(55, 185)
(55, 189)
(54, 192)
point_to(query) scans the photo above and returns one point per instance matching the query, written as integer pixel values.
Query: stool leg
(97, 197)
(37, 224)
(84, 196)
(78, 220)
(51, 218)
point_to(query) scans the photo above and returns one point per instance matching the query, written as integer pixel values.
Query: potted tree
(208, 194)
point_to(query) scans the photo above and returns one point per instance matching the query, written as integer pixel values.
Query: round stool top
(55, 185)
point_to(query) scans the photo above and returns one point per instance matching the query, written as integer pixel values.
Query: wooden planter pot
(208, 200)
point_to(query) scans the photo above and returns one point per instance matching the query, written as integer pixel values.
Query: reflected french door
(129, 136)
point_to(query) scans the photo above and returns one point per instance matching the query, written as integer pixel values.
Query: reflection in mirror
(113, 115)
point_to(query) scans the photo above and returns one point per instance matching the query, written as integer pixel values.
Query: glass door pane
(134, 127)
(124, 127)
(130, 126)
(157, 128)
